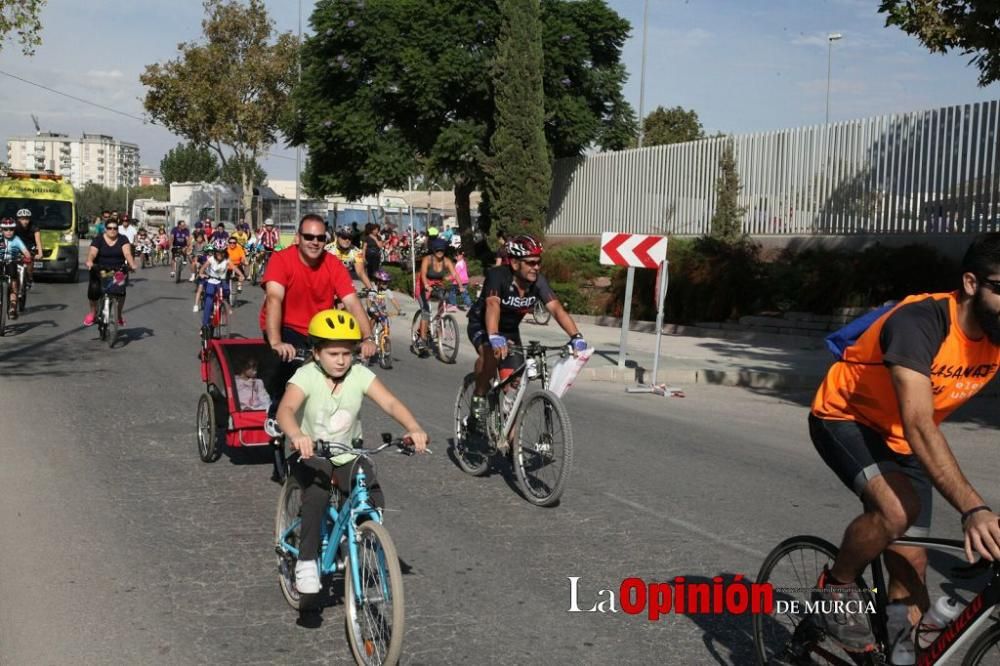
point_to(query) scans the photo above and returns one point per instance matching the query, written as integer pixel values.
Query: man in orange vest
(875, 422)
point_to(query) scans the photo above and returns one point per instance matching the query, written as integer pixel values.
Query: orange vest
(860, 389)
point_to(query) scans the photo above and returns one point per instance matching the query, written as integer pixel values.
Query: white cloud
(105, 74)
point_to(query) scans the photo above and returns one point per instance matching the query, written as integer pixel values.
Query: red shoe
(89, 319)
(121, 321)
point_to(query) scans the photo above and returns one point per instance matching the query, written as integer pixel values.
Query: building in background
(93, 158)
(149, 176)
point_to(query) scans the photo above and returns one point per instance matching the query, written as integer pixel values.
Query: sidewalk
(755, 360)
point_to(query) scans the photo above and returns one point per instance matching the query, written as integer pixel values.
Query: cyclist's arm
(563, 318)
(353, 305)
(492, 318)
(424, 264)
(127, 252)
(450, 265)
(290, 404)
(914, 394)
(359, 268)
(38, 244)
(91, 255)
(392, 406)
(275, 297)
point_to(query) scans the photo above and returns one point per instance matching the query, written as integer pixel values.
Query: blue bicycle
(354, 543)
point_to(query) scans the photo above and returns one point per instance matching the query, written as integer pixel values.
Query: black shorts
(478, 338)
(857, 454)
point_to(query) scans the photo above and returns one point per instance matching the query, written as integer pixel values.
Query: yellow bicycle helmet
(332, 325)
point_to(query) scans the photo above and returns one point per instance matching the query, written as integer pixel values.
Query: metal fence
(923, 172)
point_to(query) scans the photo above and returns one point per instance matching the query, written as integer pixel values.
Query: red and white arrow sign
(636, 250)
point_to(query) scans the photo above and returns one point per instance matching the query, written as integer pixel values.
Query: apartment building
(93, 158)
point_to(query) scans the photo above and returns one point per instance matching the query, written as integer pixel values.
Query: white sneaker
(307, 577)
(191, 279)
(172, 273)
(195, 308)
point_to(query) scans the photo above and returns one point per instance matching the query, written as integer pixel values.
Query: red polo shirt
(308, 290)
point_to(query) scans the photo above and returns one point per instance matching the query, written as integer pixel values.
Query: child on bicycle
(327, 394)
(382, 280)
(213, 280)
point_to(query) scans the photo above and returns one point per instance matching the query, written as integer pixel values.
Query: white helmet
(268, 222)
(24, 212)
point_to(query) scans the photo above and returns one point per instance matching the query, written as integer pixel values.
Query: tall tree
(229, 91)
(518, 172)
(971, 26)
(187, 163)
(232, 174)
(22, 17)
(666, 126)
(396, 87)
(727, 221)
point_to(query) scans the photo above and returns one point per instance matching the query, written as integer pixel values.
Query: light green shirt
(329, 417)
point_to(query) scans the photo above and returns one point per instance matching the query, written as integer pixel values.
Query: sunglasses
(111, 227)
(313, 237)
(994, 285)
(534, 263)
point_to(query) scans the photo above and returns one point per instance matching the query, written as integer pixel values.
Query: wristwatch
(370, 338)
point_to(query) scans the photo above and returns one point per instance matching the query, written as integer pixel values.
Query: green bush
(571, 297)
(402, 279)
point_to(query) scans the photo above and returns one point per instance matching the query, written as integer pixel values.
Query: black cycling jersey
(513, 305)
(27, 234)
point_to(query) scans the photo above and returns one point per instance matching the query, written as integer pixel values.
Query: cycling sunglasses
(532, 262)
(111, 227)
(313, 237)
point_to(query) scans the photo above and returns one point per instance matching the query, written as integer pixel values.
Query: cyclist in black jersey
(509, 293)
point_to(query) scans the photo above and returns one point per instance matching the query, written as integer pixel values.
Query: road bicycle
(218, 323)
(8, 265)
(107, 307)
(252, 265)
(442, 330)
(533, 431)
(355, 544)
(798, 637)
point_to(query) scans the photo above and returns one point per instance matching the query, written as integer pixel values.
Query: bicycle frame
(338, 524)
(532, 351)
(958, 631)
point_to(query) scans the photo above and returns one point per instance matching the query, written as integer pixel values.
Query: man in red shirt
(298, 282)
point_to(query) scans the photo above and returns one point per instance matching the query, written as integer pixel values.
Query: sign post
(639, 251)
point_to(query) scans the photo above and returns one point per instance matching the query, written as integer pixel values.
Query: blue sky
(743, 65)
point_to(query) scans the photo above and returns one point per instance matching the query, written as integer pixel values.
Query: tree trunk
(463, 211)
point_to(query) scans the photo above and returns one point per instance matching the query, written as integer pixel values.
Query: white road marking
(690, 527)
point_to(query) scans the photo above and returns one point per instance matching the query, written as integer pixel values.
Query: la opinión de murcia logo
(682, 597)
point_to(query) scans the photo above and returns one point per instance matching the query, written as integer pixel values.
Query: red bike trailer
(221, 421)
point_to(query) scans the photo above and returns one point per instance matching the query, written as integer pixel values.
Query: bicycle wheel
(415, 332)
(112, 321)
(375, 620)
(541, 314)
(209, 448)
(543, 448)
(4, 305)
(796, 637)
(178, 266)
(471, 462)
(446, 339)
(287, 531)
(985, 649)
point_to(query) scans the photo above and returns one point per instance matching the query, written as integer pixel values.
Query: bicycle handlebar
(326, 449)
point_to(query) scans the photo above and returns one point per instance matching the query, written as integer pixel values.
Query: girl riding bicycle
(328, 392)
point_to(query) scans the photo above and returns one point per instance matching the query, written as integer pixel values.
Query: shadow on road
(45, 307)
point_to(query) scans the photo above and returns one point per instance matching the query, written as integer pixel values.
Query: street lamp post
(298, 149)
(830, 39)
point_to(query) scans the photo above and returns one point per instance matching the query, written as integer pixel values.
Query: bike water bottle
(900, 633)
(531, 368)
(943, 611)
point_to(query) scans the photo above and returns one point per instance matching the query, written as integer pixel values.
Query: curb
(781, 340)
(741, 378)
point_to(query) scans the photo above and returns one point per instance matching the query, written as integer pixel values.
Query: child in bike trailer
(510, 291)
(213, 274)
(323, 401)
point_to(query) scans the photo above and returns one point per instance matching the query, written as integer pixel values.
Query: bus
(52, 203)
